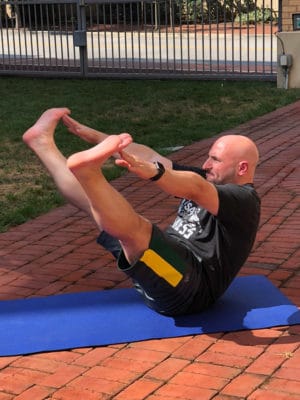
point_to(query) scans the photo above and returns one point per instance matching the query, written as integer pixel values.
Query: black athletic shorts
(169, 276)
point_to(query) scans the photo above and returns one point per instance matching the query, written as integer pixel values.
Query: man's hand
(143, 169)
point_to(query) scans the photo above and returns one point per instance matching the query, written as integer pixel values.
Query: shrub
(258, 15)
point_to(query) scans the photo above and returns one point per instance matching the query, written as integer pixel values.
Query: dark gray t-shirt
(223, 242)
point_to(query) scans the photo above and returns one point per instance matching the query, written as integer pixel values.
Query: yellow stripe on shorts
(161, 267)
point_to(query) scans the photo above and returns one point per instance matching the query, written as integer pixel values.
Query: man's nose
(206, 164)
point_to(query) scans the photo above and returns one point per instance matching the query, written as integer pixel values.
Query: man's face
(220, 167)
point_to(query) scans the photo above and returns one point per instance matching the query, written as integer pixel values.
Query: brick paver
(56, 253)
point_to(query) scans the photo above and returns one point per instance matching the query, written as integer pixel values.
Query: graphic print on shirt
(187, 221)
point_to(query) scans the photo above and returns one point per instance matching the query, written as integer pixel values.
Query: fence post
(79, 37)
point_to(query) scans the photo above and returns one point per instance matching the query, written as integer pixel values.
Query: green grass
(157, 113)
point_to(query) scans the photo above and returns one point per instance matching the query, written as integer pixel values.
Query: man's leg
(110, 209)
(40, 139)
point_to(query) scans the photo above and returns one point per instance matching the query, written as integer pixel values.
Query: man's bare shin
(110, 209)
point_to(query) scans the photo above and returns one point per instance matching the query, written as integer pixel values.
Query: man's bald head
(232, 159)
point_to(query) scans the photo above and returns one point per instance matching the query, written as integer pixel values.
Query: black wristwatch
(160, 171)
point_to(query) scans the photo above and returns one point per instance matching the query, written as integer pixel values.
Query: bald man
(188, 266)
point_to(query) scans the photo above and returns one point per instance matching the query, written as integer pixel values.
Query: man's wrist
(160, 170)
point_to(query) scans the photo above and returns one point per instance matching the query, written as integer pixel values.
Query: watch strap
(160, 171)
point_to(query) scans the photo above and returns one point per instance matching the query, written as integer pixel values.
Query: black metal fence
(199, 39)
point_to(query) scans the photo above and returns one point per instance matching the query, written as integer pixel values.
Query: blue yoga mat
(120, 316)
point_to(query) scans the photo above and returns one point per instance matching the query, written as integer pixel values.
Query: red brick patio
(56, 253)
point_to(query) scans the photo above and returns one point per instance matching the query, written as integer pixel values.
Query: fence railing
(152, 38)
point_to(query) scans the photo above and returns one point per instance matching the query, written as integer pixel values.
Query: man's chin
(210, 178)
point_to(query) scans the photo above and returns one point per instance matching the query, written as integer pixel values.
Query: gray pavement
(147, 46)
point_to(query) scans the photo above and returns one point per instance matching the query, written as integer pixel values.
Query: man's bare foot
(42, 132)
(85, 161)
(84, 132)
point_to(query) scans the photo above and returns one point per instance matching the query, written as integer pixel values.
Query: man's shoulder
(237, 197)
(247, 188)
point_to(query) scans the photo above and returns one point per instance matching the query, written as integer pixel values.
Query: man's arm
(94, 136)
(147, 154)
(139, 159)
(190, 185)
(183, 184)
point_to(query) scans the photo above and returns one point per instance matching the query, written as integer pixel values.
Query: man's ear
(243, 168)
